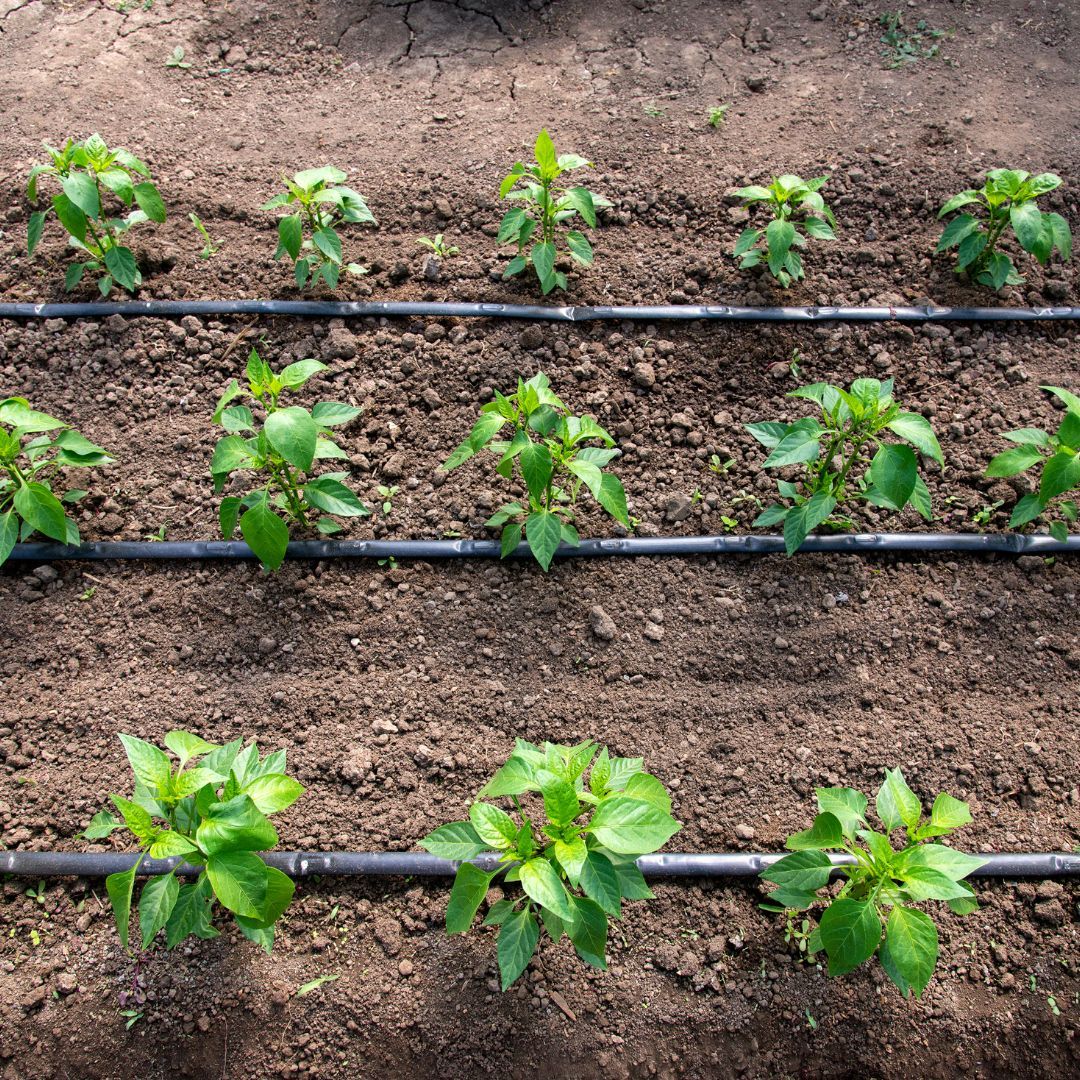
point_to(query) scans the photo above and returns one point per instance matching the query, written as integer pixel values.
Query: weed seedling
(1007, 199)
(438, 246)
(1059, 457)
(320, 205)
(29, 470)
(718, 114)
(544, 205)
(833, 454)
(89, 173)
(572, 849)
(176, 59)
(652, 110)
(209, 247)
(904, 46)
(281, 452)
(387, 495)
(719, 465)
(984, 516)
(794, 204)
(883, 884)
(548, 444)
(211, 810)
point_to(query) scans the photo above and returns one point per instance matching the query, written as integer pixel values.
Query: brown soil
(744, 683)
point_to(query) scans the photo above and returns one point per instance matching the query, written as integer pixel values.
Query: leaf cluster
(212, 810)
(321, 204)
(27, 472)
(797, 208)
(281, 452)
(547, 443)
(884, 883)
(89, 174)
(543, 205)
(904, 46)
(1007, 199)
(1059, 457)
(574, 859)
(834, 454)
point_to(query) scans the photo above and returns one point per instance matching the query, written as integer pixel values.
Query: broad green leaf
(850, 933)
(897, 805)
(102, 824)
(632, 884)
(273, 792)
(150, 201)
(910, 950)
(235, 825)
(629, 827)
(292, 433)
(468, 892)
(826, 832)
(190, 914)
(239, 880)
(149, 764)
(648, 789)
(1014, 461)
(329, 244)
(612, 498)
(536, 467)
(958, 229)
(544, 151)
(120, 262)
(601, 882)
(514, 778)
(334, 413)
(916, 430)
(494, 826)
(41, 510)
(963, 199)
(948, 861)
(518, 936)
(291, 235)
(119, 887)
(266, 534)
(187, 746)
(541, 883)
(580, 248)
(571, 855)
(800, 521)
(923, 883)
(949, 813)
(279, 893)
(82, 191)
(966, 904)
(156, 904)
(543, 532)
(1027, 223)
(588, 932)
(33, 230)
(560, 800)
(498, 913)
(1061, 473)
(1026, 510)
(170, 843)
(893, 473)
(804, 871)
(136, 818)
(456, 841)
(333, 497)
(797, 446)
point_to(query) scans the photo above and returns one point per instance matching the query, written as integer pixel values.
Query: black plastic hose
(349, 309)
(300, 864)
(857, 543)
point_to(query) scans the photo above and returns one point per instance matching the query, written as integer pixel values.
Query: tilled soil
(743, 682)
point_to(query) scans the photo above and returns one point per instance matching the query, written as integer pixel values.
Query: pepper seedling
(794, 204)
(544, 205)
(89, 173)
(548, 445)
(281, 452)
(574, 856)
(833, 454)
(1059, 457)
(321, 204)
(28, 471)
(212, 810)
(883, 884)
(1007, 199)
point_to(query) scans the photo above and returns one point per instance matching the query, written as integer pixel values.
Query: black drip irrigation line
(348, 309)
(857, 543)
(300, 864)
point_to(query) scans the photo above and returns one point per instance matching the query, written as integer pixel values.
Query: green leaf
(279, 893)
(648, 789)
(266, 534)
(963, 199)
(170, 843)
(946, 860)
(543, 531)
(916, 430)
(150, 201)
(102, 824)
(1061, 473)
(779, 236)
(588, 932)
(958, 229)
(924, 883)
(949, 813)
(329, 243)
(190, 914)
(156, 904)
(119, 887)
(632, 883)
(187, 746)
(541, 883)
(333, 413)
(149, 764)
(804, 871)
(630, 827)
(910, 950)
(291, 235)
(818, 229)
(292, 433)
(494, 826)
(514, 778)
(33, 230)
(560, 800)
(136, 818)
(1061, 233)
(850, 933)
(468, 892)
(892, 473)
(82, 191)
(826, 832)
(518, 936)
(1027, 223)
(41, 510)
(273, 792)
(580, 248)
(456, 841)
(544, 150)
(601, 882)
(798, 445)
(583, 201)
(1014, 461)
(536, 467)
(235, 825)
(333, 497)
(897, 805)
(612, 498)
(964, 905)
(1026, 510)
(120, 262)
(543, 258)
(239, 880)
(971, 247)
(800, 521)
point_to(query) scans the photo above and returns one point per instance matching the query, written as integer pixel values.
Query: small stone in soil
(603, 626)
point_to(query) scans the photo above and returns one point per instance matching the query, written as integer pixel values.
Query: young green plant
(1008, 199)
(543, 206)
(29, 469)
(796, 207)
(91, 175)
(1059, 457)
(882, 885)
(320, 204)
(438, 247)
(212, 809)
(547, 443)
(834, 456)
(281, 452)
(572, 849)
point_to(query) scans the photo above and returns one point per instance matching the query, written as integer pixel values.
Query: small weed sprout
(89, 174)
(209, 247)
(281, 453)
(833, 453)
(1059, 457)
(883, 884)
(213, 811)
(320, 205)
(438, 246)
(794, 203)
(544, 205)
(387, 495)
(548, 444)
(29, 470)
(176, 59)
(718, 115)
(1007, 199)
(904, 46)
(573, 854)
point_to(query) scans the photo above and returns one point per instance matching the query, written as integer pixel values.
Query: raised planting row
(105, 192)
(839, 458)
(571, 848)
